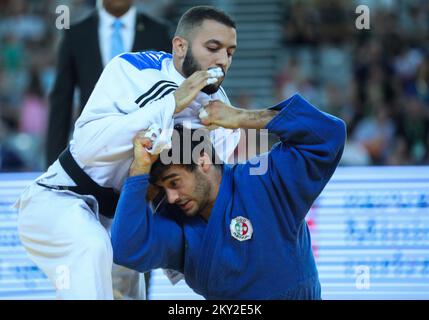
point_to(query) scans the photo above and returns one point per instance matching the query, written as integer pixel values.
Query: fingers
(147, 143)
(205, 112)
(203, 115)
(207, 120)
(142, 146)
(190, 88)
(202, 78)
(141, 142)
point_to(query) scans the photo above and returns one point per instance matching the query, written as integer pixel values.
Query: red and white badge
(241, 228)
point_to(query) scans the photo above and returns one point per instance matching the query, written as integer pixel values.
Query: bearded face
(191, 65)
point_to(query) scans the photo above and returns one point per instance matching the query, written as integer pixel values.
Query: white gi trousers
(67, 239)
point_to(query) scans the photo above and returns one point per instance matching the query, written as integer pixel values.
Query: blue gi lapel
(214, 228)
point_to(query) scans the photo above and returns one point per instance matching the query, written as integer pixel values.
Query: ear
(180, 46)
(205, 162)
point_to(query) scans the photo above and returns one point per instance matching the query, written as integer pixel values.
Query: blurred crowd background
(377, 80)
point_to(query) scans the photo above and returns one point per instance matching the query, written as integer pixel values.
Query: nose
(172, 195)
(222, 59)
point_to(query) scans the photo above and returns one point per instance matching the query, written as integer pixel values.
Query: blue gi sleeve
(142, 240)
(299, 167)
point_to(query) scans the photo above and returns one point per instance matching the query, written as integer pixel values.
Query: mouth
(186, 205)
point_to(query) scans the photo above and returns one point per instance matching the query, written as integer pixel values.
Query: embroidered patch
(241, 228)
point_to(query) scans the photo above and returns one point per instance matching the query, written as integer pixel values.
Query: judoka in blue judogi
(233, 234)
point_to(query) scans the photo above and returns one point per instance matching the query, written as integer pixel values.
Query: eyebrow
(214, 41)
(169, 176)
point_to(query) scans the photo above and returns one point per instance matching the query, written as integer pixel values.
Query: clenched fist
(143, 160)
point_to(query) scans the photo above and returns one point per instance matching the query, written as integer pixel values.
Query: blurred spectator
(336, 102)
(422, 81)
(415, 22)
(21, 24)
(414, 128)
(302, 25)
(14, 75)
(9, 160)
(34, 110)
(294, 78)
(334, 21)
(376, 134)
(406, 65)
(400, 154)
(243, 100)
(377, 80)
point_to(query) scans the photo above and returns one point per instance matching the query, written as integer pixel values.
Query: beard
(191, 65)
(200, 193)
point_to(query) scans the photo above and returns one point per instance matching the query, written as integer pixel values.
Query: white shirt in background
(105, 29)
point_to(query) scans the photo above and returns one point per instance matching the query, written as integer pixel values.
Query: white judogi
(62, 231)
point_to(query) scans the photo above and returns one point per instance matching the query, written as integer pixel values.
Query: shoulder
(146, 59)
(153, 22)
(81, 29)
(88, 22)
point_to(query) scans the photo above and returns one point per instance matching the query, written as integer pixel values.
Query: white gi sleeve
(125, 100)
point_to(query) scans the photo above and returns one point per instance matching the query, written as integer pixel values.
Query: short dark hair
(185, 142)
(195, 16)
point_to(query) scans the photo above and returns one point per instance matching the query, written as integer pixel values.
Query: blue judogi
(277, 261)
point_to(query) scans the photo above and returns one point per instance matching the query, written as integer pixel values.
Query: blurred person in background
(376, 134)
(114, 27)
(413, 127)
(33, 118)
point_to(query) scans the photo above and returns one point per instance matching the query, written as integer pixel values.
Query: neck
(178, 66)
(117, 12)
(214, 191)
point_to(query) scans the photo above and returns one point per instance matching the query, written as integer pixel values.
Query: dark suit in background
(80, 65)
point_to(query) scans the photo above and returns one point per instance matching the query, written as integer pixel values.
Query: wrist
(136, 170)
(137, 183)
(240, 119)
(177, 105)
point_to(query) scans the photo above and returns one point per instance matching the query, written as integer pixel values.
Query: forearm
(224, 115)
(132, 229)
(254, 119)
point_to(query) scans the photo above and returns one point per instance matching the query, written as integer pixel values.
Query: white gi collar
(172, 71)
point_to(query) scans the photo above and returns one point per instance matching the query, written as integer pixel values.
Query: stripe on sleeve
(154, 87)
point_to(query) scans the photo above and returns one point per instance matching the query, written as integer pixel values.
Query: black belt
(107, 198)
